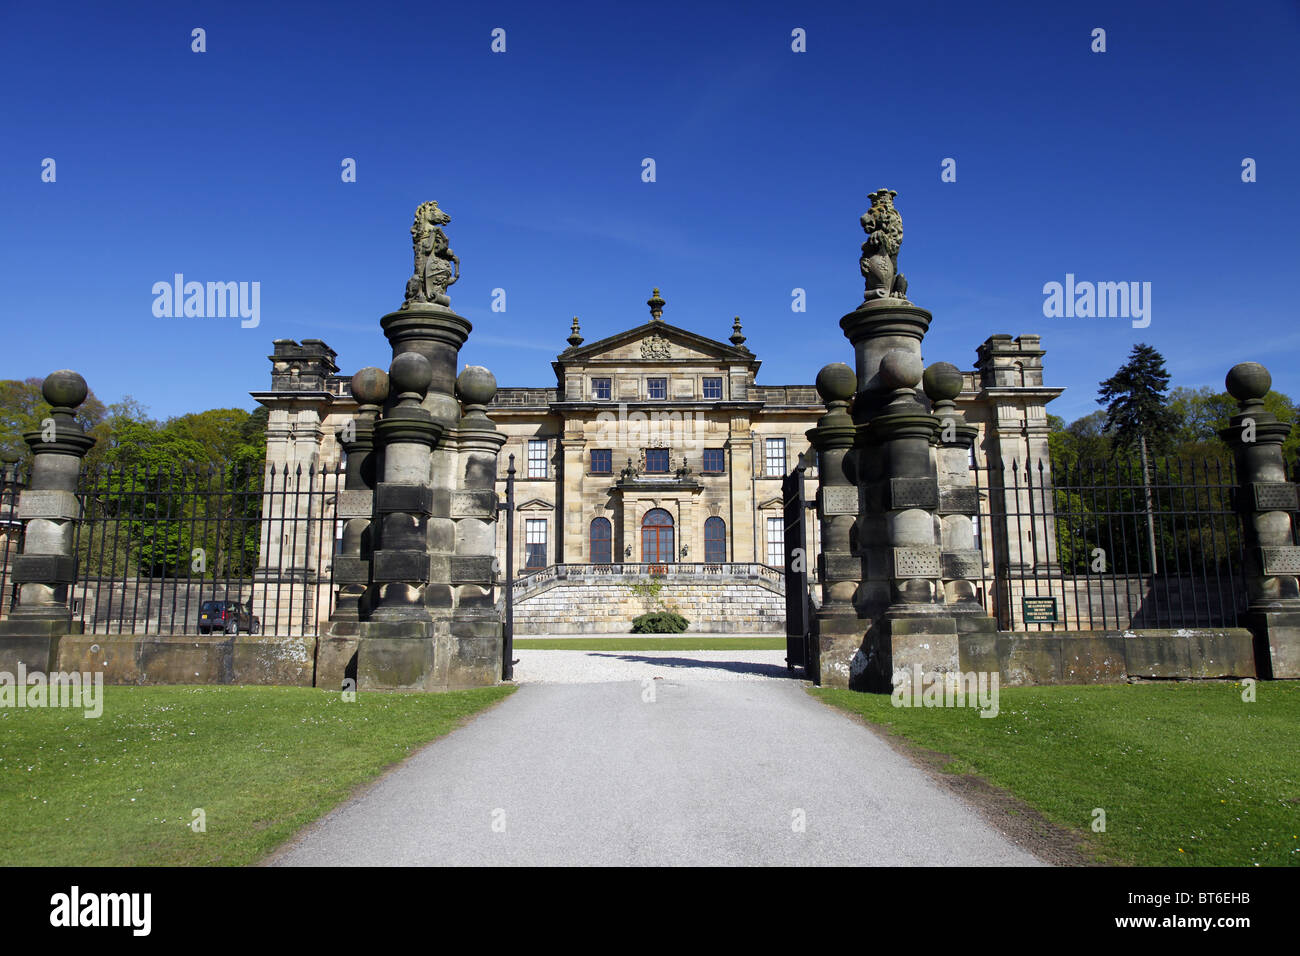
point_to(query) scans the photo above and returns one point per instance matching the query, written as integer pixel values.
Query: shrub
(659, 622)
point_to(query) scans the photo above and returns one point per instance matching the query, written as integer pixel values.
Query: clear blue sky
(225, 166)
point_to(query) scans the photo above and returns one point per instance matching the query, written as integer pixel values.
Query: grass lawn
(650, 642)
(1187, 774)
(259, 761)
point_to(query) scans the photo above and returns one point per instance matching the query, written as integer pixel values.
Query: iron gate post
(508, 646)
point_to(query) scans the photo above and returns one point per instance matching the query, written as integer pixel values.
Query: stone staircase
(604, 598)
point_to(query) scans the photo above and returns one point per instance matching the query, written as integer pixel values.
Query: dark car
(229, 617)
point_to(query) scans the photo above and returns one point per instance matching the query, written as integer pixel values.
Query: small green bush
(659, 622)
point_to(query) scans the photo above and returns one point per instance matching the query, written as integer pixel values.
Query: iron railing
(1100, 545)
(12, 482)
(155, 543)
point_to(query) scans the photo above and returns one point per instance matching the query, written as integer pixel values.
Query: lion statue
(884, 228)
(436, 266)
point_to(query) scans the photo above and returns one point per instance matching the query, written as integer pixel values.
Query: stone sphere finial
(836, 383)
(475, 385)
(64, 388)
(1248, 381)
(370, 386)
(942, 381)
(900, 369)
(411, 374)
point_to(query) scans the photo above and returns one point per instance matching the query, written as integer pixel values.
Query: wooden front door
(657, 538)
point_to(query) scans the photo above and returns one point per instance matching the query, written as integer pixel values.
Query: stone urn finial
(737, 337)
(575, 335)
(656, 304)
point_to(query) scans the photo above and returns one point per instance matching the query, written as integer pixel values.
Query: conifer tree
(1138, 413)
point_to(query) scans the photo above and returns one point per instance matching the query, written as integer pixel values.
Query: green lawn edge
(260, 762)
(1186, 773)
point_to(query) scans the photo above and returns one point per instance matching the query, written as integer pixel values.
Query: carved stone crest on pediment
(655, 347)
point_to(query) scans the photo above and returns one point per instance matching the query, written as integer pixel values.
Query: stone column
(1266, 502)
(740, 445)
(568, 507)
(630, 552)
(472, 654)
(414, 638)
(901, 598)
(838, 566)
(47, 567)
(962, 559)
(356, 502)
(397, 647)
(1010, 376)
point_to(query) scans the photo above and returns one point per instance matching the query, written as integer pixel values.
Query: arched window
(601, 541)
(657, 537)
(715, 540)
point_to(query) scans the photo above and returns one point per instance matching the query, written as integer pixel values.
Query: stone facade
(654, 445)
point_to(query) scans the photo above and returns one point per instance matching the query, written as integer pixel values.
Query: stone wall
(731, 608)
(1115, 656)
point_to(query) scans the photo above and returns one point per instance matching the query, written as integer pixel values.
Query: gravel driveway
(717, 763)
(594, 667)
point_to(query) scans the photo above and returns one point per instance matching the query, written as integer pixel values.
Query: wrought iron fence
(155, 544)
(12, 481)
(1110, 545)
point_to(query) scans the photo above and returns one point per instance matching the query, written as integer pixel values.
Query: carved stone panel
(474, 504)
(349, 569)
(44, 569)
(916, 563)
(471, 569)
(413, 499)
(962, 565)
(1275, 496)
(355, 503)
(55, 505)
(839, 500)
(842, 567)
(655, 347)
(914, 493)
(959, 501)
(1280, 560)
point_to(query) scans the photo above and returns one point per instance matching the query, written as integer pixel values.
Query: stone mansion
(657, 445)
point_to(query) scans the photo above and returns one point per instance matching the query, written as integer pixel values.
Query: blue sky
(225, 166)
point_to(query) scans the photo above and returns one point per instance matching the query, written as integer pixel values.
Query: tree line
(1146, 479)
(176, 497)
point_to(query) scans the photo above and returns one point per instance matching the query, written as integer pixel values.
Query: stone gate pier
(419, 570)
(896, 550)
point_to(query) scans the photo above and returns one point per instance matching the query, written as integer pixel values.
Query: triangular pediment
(535, 504)
(657, 341)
